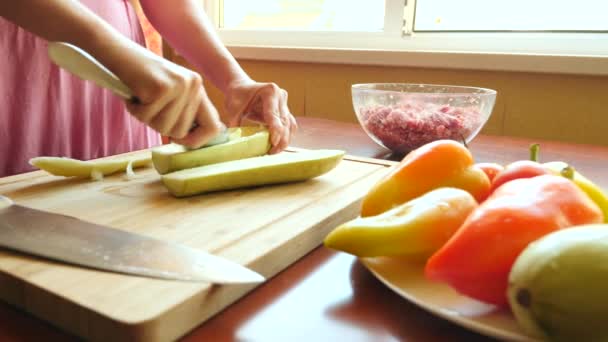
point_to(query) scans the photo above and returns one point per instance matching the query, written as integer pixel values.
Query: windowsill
(497, 61)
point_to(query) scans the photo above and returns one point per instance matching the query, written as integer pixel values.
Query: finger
(200, 135)
(151, 104)
(286, 123)
(252, 118)
(251, 112)
(293, 124)
(208, 127)
(270, 98)
(188, 116)
(156, 122)
(145, 112)
(166, 119)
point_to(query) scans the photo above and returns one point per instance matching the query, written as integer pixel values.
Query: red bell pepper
(477, 260)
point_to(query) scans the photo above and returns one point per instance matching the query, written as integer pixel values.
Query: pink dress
(45, 111)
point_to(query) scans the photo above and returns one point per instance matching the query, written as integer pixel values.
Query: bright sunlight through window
(303, 15)
(429, 15)
(512, 15)
(571, 35)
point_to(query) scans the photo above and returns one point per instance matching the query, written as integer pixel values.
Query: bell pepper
(592, 190)
(416, 228)
(477, 260)
(533, 167)
(442, 163)
(520, 169)
(490, 169)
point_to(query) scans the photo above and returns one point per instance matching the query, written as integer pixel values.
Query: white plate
(407, 279)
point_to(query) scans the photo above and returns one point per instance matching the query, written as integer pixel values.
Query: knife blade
(85, 66)
(74, 241)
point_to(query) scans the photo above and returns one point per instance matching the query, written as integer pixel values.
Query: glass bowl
(403, 116)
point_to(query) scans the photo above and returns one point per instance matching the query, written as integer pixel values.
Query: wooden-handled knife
(71, 240)
(82, 64)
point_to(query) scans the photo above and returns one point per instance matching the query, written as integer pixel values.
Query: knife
(71, 240)
(82, 64)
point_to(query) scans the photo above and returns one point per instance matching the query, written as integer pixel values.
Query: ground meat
(409, 125)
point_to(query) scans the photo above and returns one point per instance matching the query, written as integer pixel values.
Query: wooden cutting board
(266, 228)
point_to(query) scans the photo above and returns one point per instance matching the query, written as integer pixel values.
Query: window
(511, 15)
(384, 31)
(428, 15)
(319, 15)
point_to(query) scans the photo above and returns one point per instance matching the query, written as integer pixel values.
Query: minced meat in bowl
(403, 116)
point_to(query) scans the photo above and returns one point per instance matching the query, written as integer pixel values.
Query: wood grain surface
(329, 296)
(265, 228)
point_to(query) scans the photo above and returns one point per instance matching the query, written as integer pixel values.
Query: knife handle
(85, 66)
(5, 202)
(82, 64)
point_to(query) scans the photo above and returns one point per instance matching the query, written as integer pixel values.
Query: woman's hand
(172, 99)
(184, 24)
(265, 103)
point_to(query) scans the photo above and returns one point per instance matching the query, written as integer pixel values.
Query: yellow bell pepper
(593, 191)
(416, 228)
(442, 163)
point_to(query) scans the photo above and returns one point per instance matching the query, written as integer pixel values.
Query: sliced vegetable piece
(264, 170)
(69, 167)
(244, 142)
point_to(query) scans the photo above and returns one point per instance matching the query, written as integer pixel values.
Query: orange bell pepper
(477, 260)
(442, 163)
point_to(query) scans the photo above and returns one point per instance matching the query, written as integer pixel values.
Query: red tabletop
(330, 296)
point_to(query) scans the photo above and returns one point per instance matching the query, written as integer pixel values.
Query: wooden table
(329, 296)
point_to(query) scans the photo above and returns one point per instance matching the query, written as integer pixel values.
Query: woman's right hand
(172, 97)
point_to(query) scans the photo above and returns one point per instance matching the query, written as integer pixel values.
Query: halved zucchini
(269, 169)
(244, 142)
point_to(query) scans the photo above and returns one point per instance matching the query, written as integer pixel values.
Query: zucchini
(256, 171)
(244, 142)
(69, 167)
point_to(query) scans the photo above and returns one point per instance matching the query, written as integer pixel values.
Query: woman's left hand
(265, 103)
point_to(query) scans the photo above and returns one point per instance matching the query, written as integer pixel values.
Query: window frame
(398, 45)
